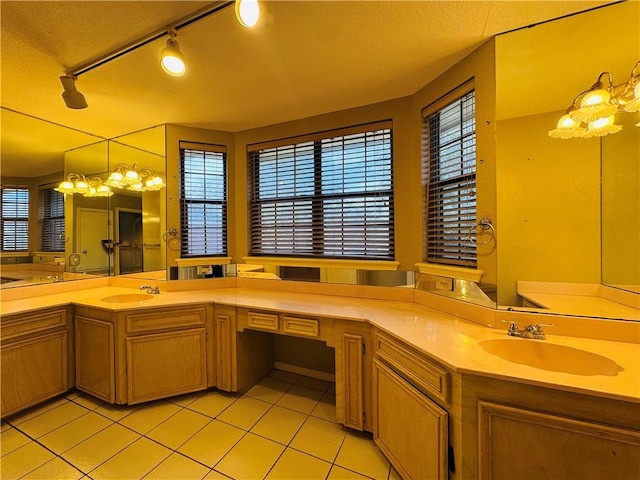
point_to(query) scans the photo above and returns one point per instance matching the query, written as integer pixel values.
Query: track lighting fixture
(171, 57)
(71, 96)
(172, 60)
(247, 12)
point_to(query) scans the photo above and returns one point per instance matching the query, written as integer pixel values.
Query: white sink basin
(550, 356)
(127, 298)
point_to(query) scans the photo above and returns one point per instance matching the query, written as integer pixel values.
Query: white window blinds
(51, 216)
(14, 230)
(449, 165)
(324, 195)
(203, 200)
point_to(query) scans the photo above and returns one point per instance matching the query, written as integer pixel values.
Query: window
(203, 199)
(324, 195)
(449, 164)
(51, 216)
(15, 218)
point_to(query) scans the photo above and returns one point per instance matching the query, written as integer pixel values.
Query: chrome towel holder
(485, 223)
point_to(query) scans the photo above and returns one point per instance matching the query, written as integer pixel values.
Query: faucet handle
(539, 326)
(513, 326)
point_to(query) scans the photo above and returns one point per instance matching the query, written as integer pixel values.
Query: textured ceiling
(305, 58)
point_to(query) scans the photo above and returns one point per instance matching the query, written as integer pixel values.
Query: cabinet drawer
(263, 321)
(165, 319)
(30, 323)
(426, 375)
(306, 327)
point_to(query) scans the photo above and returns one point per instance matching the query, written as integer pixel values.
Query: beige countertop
(455, 342)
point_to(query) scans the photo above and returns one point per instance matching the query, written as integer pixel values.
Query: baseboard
(307, 372)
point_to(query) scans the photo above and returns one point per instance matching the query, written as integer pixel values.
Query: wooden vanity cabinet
(410, 423)
(36, 357)
(354, 367)
(141, 355)
(512, 430)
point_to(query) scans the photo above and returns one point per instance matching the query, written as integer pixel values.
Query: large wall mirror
(557, 227)
(103, 235)
(33, 155)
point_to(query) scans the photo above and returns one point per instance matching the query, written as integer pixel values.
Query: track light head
(247, 12)
(71, 96)
(171, 57)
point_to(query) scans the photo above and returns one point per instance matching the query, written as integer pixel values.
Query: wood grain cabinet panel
(166, 364)
(353, 380)
(524, 444)
(33, 370)
(95, 358)
(409, 428)
(263, 321)
(303, 327)
(426, 375)
(225, 346)
(164, 319)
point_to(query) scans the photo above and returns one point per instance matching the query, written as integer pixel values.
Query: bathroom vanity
(445, 397)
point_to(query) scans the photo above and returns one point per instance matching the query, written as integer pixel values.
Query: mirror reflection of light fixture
(71, 96)
(595, 117)
(78, 183)
(132, 178)
(596, 103)
(247, 12)
(171, 57)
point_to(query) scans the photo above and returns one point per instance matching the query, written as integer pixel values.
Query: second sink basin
(552, 357)
(127, 298)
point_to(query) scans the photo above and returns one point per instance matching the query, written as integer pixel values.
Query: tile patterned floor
(283, 428)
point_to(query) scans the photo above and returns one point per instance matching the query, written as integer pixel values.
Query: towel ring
(484, 224)
(171, 232)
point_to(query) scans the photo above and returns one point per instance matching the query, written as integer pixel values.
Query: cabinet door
(166, 364)
(95, 358)
(33, 370)
(524, 444)
(409, 428)
(352, 379)
(226, 348)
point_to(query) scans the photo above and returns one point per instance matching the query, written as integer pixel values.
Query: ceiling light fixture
(171, 57)
(71, 96)
(132, 178)
(78, 183)
(595, 117)
(247, 12)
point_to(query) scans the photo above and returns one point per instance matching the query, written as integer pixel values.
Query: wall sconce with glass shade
(78, 183)
(136, 179)
(595, 115)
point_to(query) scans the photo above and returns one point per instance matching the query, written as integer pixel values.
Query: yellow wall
(175, 134)
(480, 66)
(405, 158)
(548, 205)
(405, 113)
(621, 204)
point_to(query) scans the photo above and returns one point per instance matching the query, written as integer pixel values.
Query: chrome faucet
(150, 289)
(530, 331)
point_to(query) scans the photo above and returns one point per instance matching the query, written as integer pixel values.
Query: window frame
(19, 220)
(451, 248)
(220, 153)
(317, 243)
(45, 217)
